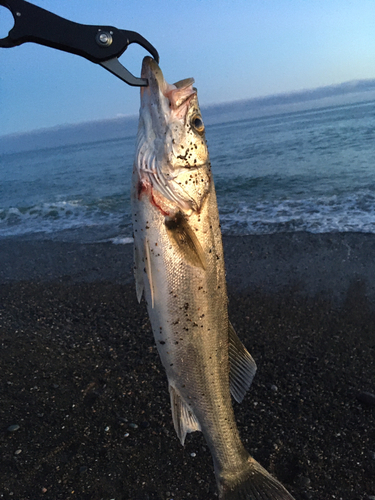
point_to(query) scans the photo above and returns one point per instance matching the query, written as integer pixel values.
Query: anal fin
(184, 419)
(242, 366)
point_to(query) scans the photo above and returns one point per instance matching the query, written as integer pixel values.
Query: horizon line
(347, 87)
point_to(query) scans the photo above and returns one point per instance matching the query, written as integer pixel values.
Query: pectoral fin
(184, 419)
(182, 236)
(242, 366)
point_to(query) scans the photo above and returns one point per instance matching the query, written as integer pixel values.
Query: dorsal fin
(182, 236)
(184, 419)
(242, 366)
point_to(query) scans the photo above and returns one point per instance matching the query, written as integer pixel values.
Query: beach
(84, 402)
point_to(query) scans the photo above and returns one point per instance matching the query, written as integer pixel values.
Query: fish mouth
(176, 94)
(153, 74)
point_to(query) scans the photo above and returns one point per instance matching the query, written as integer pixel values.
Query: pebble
(304, 481)
(13, 428)
(274, 388)
(133, 426)
(366, 398)
(106, 429)
(17, 452)
(193, 454)
(126, 434)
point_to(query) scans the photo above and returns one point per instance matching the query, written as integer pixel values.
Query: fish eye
(197, 123)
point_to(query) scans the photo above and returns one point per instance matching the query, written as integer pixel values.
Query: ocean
(305, 170)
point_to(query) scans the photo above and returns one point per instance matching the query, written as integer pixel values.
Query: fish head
(172, 152)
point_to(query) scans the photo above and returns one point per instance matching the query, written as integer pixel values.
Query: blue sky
(234, 49)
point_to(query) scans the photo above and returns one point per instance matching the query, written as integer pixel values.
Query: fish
(179, 268)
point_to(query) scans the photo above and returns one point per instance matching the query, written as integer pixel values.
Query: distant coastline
(102, 130)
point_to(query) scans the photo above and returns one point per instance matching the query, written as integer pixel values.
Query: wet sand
(81, 377)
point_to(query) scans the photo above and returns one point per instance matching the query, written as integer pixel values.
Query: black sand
(79, 368)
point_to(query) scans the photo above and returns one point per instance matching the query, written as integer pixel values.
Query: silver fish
(179, 266)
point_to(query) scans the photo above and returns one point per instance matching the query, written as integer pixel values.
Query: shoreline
(327, 264)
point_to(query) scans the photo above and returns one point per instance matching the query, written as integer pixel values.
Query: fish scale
(179, 266)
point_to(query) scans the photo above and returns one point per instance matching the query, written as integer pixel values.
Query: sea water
(311, 170)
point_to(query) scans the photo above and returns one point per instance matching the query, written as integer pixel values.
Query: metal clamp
(99, 44)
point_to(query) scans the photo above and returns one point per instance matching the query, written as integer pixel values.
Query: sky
(235, 49)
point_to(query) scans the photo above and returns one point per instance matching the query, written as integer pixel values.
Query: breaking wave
(324, 214)
(104, 218)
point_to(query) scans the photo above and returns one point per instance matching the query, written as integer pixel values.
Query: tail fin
(255, 484)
